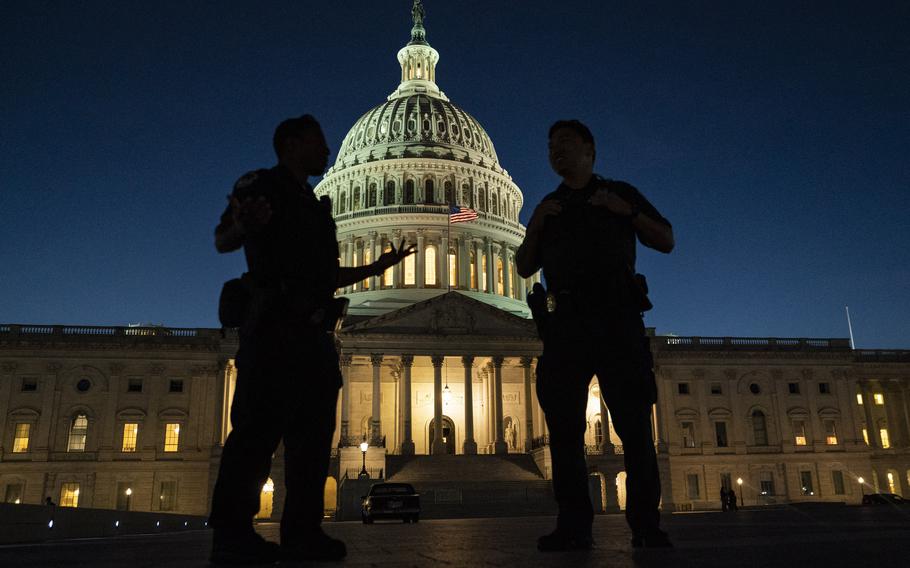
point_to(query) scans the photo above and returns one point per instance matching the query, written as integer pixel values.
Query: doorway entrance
(448, 435)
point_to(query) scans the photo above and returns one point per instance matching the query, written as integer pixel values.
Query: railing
(104, 331)
(540, 441)
(353, 441)
(768, 343)
(354, 473)
(882, 355)
(421, 208)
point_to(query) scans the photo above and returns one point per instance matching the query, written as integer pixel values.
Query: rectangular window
(830, 432)
(176, 385)
(78, 434)
(69, 495)
(879, 398)
(824, 388)
(14, 493)
(793, 388)
(692, 489)
(688, 434)
(130, 434)
(167, 498)
(805, 483)
(682, 388)
(171, 437)
(866, 436)
(29, 385)
(799, 432)
(766, 483)
(124, 496)
(720, 434)
(453, 269)
(883, 432)
(859, 399)
(410, 270)
(20, 440)
(483, 272)
(838, 478)
(717, 388)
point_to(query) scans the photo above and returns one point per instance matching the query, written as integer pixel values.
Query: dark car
(884, 499)
(391, 501)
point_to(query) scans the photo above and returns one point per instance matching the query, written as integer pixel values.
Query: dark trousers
(616, 351)
(287, 390)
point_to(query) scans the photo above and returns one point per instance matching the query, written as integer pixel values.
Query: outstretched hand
(394, 256)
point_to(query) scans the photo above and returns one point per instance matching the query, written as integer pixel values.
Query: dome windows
(429, 192)
(408, 192)
(356, 205)
(371, 196)
(388, 198)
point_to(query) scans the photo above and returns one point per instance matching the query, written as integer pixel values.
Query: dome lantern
(418, 61)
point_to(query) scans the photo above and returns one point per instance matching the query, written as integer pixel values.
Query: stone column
(344, 440)
(376, 420)
(478, 265)
(470, 446)
(499, 445)
(398, 269)
(491, 266)
(529, 409)
(439, 447)
(421, 259)
(506, 271)
(871, 427)
(443, 261)
(606, 445)
(407, 443)
(522, 289)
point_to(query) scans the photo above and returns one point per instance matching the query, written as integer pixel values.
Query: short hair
(577, 127)
(292, 127)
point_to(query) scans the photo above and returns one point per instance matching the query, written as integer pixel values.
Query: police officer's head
(571, 148)
(300, 145)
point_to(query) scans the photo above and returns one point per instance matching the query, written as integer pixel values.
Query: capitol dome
(402, 169)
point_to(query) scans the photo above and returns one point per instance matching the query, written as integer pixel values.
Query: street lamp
(742, 500)
(862, 485)
(129, 494)
(363, 470)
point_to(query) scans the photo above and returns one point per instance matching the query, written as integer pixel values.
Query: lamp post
(742, 500)
(129, 495)
(862, 486)
(363, 470)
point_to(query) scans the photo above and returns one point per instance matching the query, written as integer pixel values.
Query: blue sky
(773, 135)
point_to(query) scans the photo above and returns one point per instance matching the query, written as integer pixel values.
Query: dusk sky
(774, 135)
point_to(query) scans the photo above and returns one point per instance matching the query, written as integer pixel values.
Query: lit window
(892, 486)
(430, 266)
(473, 282)
(859, 399)
(410, 272)
(866, 436)
(78, 433)
(167, 498)
(879, 398)
(69, 495)
(883, 432)
(20, 441)
(799, 432)
(830, 432)
(483, 272)
(453, 268)
(130, 433)
(171, 437)
(511, 280)
(14, 493)
(499, 278)
(367, 259)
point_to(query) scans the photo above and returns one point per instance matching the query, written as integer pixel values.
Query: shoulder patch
(246, 180)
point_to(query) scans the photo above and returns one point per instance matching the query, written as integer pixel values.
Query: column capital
(437, 360)
(396, 233)
(376, 359)
(407, 360)
(467, 360)
(498, 360)
(345, 359)
(526, 361)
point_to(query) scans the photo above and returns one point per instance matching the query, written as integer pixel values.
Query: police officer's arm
(527, 258)
(652, 230)
(653, 233)
(238, 219)
(348, 275)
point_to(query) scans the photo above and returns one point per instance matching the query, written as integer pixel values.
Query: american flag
(459, 214)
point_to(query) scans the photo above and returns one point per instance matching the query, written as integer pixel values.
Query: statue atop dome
(418, 33)
(418, 13)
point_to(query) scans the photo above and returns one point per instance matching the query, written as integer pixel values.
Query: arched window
(356, 196)
(450, 193)
(371, 196)
(499, 280)
(78, 434)
(410, 271)
(759, 428)
(467, 198)
(409, 191)
(430, 266)
(473, 283)
(388, 198)
(389, 272)
(598, 432)
(494, 201)
(342, 203)
(429, 196)
(453, 268)
(482, 199)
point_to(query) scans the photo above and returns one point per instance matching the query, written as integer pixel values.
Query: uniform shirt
(297, 247)
(589, 251)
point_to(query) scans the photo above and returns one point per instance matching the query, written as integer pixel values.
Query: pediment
(450, 314)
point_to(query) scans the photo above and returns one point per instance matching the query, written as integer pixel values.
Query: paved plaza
(820, 536)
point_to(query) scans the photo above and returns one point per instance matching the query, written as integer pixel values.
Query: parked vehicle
(884, 499)
(391, 501)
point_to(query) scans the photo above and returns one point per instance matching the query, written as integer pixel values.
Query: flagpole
(850, 327)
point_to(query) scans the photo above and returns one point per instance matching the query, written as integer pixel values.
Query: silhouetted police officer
(288, 371)
(583, 236)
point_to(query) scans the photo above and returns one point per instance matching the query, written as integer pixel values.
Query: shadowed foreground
(834, 536)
